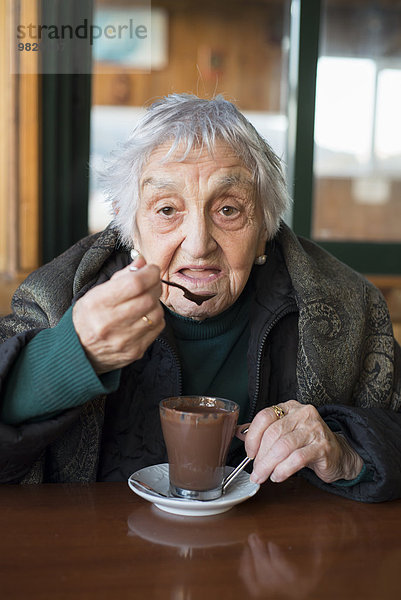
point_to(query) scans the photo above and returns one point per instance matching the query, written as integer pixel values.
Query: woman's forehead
(171, 152)
(186, 178)
(162, 166)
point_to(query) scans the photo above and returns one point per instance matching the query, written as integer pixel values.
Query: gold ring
(278, 412)
(147, 320)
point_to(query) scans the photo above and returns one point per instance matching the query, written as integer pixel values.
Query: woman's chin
(186, 308)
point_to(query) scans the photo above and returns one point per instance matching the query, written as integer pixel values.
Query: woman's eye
(166, 211)
(228, 211)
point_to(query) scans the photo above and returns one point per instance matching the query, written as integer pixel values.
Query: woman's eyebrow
(160, 184)
(235, 180)
(227, 181)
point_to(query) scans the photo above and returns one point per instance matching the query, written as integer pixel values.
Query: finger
(103, 330)
(128, 284)
(127, 344)
(134, 308)
(137, 263)
(291, 452)
(262, 421)
(124, 314)
(296, 461)
(265, 419)
(276, 446)
(144, 339)
(152, 319)
(138, 318)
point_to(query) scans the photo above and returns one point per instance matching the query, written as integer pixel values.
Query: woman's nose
(198, 240)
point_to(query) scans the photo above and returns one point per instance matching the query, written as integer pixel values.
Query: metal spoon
(231, 476)
(147, 488)
(197, 298)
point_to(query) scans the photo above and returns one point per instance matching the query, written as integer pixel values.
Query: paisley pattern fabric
(346, 344)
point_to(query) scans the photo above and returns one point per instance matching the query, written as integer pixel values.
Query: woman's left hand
(282, 446)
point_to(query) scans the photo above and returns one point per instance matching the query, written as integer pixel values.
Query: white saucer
(157, 477)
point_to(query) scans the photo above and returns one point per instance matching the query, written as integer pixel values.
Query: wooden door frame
(19, 149)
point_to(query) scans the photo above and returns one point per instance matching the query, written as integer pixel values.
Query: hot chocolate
(198, 431)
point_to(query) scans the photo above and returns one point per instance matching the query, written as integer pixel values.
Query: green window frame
(366, 257)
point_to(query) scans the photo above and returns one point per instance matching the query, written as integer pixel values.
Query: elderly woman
(301, 342)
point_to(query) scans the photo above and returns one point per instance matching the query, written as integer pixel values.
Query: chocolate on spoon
(197, 298)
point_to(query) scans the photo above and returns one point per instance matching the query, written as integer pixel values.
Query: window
(357, 151)
(347, 193)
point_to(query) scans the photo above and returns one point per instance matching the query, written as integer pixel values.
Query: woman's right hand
(109, 318)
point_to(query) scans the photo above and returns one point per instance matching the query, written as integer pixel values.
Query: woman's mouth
(199, 276)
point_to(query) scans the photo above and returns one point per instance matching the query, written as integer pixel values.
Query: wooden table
(290, 541)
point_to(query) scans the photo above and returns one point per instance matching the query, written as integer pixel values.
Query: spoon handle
(177, 285)
(147, 488)
(230, 478)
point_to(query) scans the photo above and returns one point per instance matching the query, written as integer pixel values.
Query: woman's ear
(260, 248)
(136, 238)
(261, 257)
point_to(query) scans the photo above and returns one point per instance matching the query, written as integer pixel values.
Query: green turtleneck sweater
(213, 353)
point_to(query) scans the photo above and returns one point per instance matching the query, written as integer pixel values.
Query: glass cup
(197, 431)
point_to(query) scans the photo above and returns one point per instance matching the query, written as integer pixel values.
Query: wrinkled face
(198, 220)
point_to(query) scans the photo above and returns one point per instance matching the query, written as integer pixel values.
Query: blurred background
(319, 79)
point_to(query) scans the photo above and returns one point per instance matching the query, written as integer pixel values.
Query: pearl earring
(260, 260)
(134, 253)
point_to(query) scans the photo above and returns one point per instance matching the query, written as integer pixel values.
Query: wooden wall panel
(5, 138)
(28, 153)
(28, 159)
(246, 36)
(19, 158)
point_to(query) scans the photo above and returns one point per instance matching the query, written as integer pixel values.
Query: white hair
(190, 122)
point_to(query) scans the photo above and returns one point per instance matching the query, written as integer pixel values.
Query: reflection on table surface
(290, 541)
